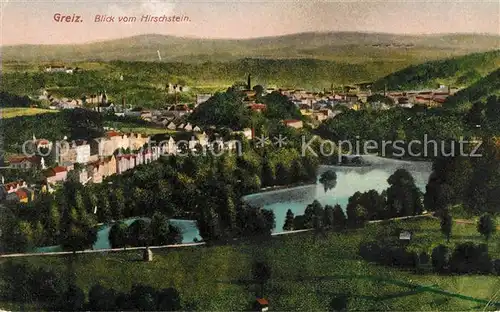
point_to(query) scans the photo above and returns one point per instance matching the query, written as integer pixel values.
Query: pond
(349, 181)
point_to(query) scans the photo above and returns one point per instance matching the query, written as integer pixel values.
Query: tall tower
(249, 82)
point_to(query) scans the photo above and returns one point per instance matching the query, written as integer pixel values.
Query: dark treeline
(13, 100)
(426, 75)
(464, 258)
(75, 124)
(53, 291)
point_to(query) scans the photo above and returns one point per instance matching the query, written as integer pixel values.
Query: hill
(339, 46)
(479, 91)
(460, 71)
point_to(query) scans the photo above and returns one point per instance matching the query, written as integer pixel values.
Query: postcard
(260, 155)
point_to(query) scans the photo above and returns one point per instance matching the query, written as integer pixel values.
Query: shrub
(440, 258)
(470, 258)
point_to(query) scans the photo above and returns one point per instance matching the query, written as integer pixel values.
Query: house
(72, 152)
(24, 162)
(113, 141)
(197, 129)
(101, 168)
(293, 123)
(56, 174)
(58, 69)
(247, 133)
(257, 107)
(202, 98)
(24, 196)
(188, 127)
(9, 188)
(319, 116)
(171, 125)
(168, 148)
(125, 162)
(261, 304)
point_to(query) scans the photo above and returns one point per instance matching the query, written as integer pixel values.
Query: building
(113, 141)
(9, 188)
(202, 98)
(72, 152)
(293, 123)
(125, 162)
(57, 174)
(24, 162)
(261, 304)
(101, 168)
(257, 107)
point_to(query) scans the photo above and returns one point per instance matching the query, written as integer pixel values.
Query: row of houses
(16, 191)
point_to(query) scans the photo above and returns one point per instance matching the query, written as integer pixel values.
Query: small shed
(261, 304)
(405, 236)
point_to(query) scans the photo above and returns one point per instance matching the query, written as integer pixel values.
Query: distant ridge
(340, 46)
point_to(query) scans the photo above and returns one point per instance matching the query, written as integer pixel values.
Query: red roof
(42, 141)
(59, 169)
(423, 98)
(13, 184)
(439, 100)
(20, 159)
(112, 133)
(21, 194)
(262, 301)
(257, 106)
(289, 121)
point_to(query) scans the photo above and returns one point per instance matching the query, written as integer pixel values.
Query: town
(249, 157)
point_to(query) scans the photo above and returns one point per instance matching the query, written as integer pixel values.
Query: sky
(32, 21)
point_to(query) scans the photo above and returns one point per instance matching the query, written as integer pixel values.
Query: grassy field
(11, 112)
(306, 273)
(131, 127)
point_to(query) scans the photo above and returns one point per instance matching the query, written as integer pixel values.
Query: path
(89, 251)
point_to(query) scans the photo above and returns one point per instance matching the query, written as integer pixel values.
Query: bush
(470, 258)
(389, 255)
(72, 300)
(440, 258)
(101, 299)
(496, 266)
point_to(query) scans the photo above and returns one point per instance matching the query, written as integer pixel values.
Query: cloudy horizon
(24, 22)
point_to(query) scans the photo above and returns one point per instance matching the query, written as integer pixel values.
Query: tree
(169, 300)
(73, 299)
(356, 215)
(446, 224)
(118, 235)
(162, 232)
(261, 273)
(288, 226)
(339, 218)
(143, 297)
(138, 234)
(328, 218)
(328, 179)
(440, 258)
(486, 226)
(339, 303)
(403, 196)
(101, 298)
